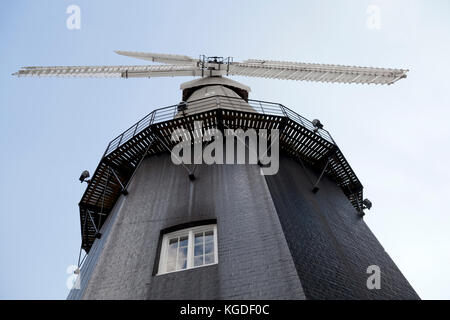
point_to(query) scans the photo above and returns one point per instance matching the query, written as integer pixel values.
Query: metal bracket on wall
(139, 164)
(80, 261)
(190, 172)
(194, 166)
(124, 190)
(98, 235)
(329, 155)
(315, 188)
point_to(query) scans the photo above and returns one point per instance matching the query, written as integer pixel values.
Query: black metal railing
(211, 103)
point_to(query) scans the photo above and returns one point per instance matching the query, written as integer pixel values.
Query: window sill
(187, 269)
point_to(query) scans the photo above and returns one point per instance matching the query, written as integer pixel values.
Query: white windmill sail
(149, 71)
(180, 65)
(316, 72)
(159, 57)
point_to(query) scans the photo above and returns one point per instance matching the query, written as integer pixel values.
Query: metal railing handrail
(217, 101)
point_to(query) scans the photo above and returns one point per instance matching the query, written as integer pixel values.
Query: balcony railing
(211, 103)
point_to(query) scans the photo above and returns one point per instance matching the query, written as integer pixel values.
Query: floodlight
(84, 175)
(317, 124)
(367, 204)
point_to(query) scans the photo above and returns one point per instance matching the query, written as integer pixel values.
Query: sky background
(396, 138)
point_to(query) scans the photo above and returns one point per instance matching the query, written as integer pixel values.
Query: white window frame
(189, 232)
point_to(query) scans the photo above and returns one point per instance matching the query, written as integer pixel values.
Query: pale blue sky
(396, 138)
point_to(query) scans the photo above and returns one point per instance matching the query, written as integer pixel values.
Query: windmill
(148, 227)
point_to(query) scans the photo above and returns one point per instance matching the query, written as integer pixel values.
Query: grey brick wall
(277, 240)
(254, 258)
(331, 246)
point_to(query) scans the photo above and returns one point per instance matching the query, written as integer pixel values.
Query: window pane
(199, 238)
(182, 253)
(198, 250)
(209, 258)
(183, 241)
(171, 258)
(182, 263)
(170, 266)
(172, 252)
(172, 241)
(209, 236)
(198, 261)
(209, 247)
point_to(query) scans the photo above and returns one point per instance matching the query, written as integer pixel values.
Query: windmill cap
(189, 87)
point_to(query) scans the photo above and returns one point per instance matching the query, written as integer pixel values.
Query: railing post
(301, 120)
(120, 140)
(283, 111)
(135, 129)
(260, 104)
(152, 118)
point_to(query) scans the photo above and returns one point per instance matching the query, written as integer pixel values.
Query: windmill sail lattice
(180, 65)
